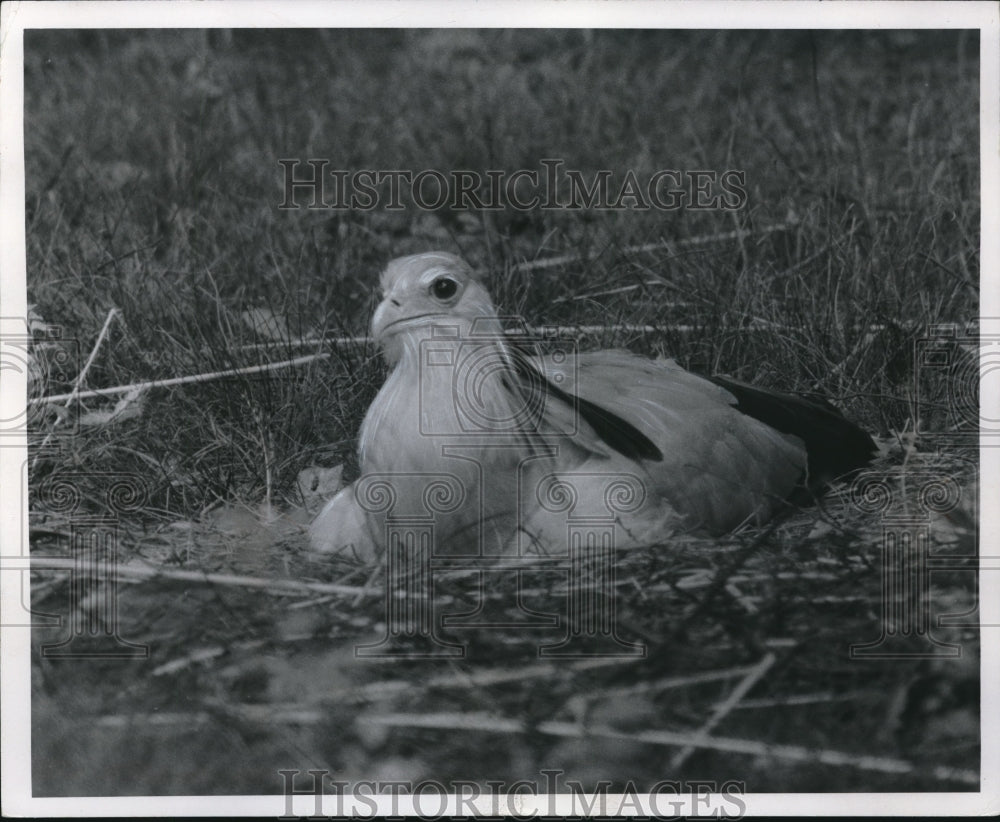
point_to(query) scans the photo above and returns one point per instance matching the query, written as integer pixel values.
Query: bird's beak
(390, 317)
(385, 315)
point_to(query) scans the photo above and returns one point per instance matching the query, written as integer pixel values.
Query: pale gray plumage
(703, 464)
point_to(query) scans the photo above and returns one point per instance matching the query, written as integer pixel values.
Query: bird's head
(424, 290)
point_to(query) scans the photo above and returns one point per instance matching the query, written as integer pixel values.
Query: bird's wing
(835, 445)
(564, 409)
(716, 462)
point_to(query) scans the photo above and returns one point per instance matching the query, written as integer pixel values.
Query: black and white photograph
(543, 409)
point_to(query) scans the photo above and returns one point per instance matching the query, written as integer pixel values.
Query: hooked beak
(389, 319)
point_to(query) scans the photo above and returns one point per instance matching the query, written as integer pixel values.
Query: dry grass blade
(80, 378)
(485, 723)
(485, 679)
(75, 393)
(842, 759)
(722, 711)
(194, 378)
(202, 655)
(670, 683)
(139, 573)
(737, 234)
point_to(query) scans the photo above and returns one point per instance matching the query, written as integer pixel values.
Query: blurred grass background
(153, 187)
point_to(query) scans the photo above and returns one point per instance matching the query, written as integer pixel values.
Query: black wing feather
(835, 446)
(617, 433)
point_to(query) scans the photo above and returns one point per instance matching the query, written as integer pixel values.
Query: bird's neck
(451, 411)
(442, 391)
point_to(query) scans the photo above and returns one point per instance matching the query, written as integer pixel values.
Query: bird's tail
(835, 446)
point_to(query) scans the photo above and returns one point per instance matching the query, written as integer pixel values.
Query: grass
(152, 188)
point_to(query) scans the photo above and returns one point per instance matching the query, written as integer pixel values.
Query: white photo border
(16, 17)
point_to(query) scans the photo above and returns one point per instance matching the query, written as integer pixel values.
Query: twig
(800, 699)
(662, 245)
(202, 655)
(480, 680)
(90, 359)
(567, 330)
(303, 342)
(80, 378)
(723, 710)
(389, 688)
(283, 716)
(158, 719)
(98, 570)
(703, 578)
(621, 290)
(670, 683)
(487, 723)
(795, 753)
(194, 378)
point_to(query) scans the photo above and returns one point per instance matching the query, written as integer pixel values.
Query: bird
(510, 439)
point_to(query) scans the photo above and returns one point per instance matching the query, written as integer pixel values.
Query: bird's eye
(444, 288)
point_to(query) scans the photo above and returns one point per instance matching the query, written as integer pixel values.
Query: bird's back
(718, 467)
